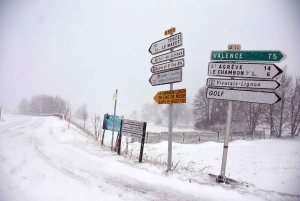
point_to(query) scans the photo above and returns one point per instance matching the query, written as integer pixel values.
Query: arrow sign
(171, 96)
(245, 96)
(251, 55)
(166, 44)
(244, 70)
(166, 77)
(168, 56)
(167, 66)
(252, 84)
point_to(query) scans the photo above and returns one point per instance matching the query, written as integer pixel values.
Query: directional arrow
(166, 77)
(166, 44)
(168, 56)
(256, 84)
(171, 96)
(167, 66)
(250, 70)
(245, 96)
(251, 55)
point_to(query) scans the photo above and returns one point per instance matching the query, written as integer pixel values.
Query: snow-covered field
(40, 159)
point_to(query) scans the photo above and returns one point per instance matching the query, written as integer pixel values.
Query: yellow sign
(172, 30)
(234, 47)
(171, 96)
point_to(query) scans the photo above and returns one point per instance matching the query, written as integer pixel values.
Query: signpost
(132, 128)
(234, 69)
(250, 55)
(249, 84)
(168, 66)
(166, 44)
(166, 77)
(171, 96)
(246, 96)
(170, 31)
(168, 56)
(245, 70)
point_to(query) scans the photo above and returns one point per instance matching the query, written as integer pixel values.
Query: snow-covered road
(40, 159)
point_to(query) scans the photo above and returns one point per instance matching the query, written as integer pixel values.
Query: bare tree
(96, 120)
(84, 114)
(284, 91)
(295, 108)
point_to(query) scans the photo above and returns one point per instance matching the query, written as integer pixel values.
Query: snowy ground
(40, 159)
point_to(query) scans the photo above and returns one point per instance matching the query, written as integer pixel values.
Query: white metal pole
(170, 129)
(221, 177)
(113, 129)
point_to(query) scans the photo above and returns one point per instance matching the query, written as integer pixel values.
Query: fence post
(147, 137)
(218, 136)
(253, 134)
(264, 134)
(199, 137)
(182, 138)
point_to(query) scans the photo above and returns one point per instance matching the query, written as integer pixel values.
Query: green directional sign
(250, 55)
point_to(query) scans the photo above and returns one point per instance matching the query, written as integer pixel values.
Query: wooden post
(264, 134)
(244, 135)
(142, 143)
(119, 144)
(182, 138)
(218, 136)
(147, 137)
(102, 137)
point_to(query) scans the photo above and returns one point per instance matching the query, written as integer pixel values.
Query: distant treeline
(44, 104)
(281, 118)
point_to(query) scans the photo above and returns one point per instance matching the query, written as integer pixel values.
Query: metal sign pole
(113, 129)
(221, 177)
(170, 129)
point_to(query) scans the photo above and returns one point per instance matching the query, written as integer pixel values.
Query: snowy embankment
(40, 159)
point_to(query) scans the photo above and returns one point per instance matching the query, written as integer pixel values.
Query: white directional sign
(254, 84)
(166, 44)
(132, 128)
(167, 66)
(168, 56)
(166, 77)
(245, 96)
(245, 70)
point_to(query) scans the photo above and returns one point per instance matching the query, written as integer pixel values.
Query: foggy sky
(83, 51)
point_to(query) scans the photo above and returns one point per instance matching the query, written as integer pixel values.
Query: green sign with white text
(250, 55)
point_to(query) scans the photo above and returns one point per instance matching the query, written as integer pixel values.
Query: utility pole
(115, 97)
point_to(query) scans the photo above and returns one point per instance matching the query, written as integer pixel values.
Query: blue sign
(108, 121)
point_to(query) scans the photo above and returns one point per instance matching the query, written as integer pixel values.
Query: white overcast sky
(84, 50)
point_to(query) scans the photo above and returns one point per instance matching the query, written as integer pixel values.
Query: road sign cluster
(166, 70)
(244, 64)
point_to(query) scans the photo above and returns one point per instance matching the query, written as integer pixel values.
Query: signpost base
(221, 178)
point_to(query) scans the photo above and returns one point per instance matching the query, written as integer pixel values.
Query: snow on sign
(132, 128)
(250, 55)
(166, 44)
(244, 70)
(168, 56)
(167, 66)
(244, 96)
(251, 84)
(166, 77)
